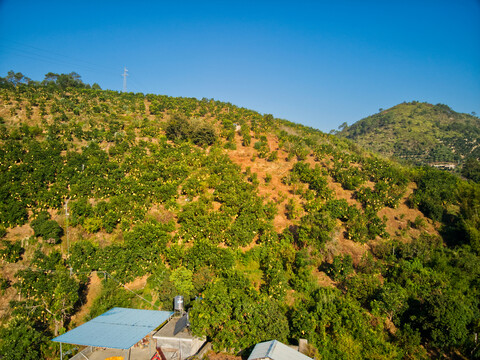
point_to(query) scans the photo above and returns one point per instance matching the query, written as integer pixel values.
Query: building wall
(183, 347)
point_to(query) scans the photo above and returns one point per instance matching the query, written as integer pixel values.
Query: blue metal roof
(118, 328)
(276, 350)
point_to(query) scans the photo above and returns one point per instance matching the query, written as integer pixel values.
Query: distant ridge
(421, 133)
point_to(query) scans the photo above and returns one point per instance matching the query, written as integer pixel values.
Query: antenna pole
(66, 225)
(125, 79)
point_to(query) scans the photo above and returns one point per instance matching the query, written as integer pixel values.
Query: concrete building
(176, 340)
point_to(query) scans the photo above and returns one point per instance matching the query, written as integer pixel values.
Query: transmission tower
(125, 79)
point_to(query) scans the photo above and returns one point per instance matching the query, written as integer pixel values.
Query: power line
(51, 56)
(126, 287)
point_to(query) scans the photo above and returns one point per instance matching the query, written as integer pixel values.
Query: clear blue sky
(318, 63)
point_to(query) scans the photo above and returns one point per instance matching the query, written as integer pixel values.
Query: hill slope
(419, 132)
(284, 232)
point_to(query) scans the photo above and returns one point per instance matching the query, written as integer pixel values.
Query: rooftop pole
(66, 225)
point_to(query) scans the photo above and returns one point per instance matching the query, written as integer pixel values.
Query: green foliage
(268, 178)
(316, 228)
(16, 79)
(313, 177)
(262, 148)
(338, 209)
(236, 316)
(50, 292)
(448, 316)
(202, 133)
(303, 280)
(418, 223)
(112, 295)
(469, 202)
(4, 285)
(340, 268)
(337, 326)
(20, 341)
(164, 289)
(83, 257)
(418, 132)
(276, 257)
(205, 254)
(182, 279)
(180, 128)
(362, 287)
(140, 254)
(12, 212)
(198, 221)
(63, 81)
(431, 291)
(471, 169)
(178, 213)
(92, 225)
(434, 189)
(292, 209)
(46, 228)
(11, 251)
(349, 176)
(273, 156)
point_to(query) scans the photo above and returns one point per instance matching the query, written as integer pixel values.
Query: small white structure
(275, 350)
(445, 166)
(176, 339)
(178, 304)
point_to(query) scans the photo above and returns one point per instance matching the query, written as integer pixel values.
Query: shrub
(273, 156)
(341, 267)
(48, 229)
(92, 225)
(199, 132)
(178, 128)
(12, 251)
(203, 133)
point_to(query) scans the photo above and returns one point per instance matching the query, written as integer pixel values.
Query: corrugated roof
(118, 328)
(276, 350)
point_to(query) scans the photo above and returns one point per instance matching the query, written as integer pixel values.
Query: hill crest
(421, 133)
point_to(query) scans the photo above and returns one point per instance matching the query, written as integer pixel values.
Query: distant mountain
(419, 132)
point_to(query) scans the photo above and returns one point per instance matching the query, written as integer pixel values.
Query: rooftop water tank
(178, 303)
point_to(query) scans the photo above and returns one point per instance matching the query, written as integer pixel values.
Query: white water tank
(178, 303)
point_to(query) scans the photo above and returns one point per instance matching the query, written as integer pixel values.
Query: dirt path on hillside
(93, 290)
(138, 283)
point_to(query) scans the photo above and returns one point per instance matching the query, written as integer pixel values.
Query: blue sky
(318, 63)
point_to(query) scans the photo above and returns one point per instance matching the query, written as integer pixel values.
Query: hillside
(283, 231)
(420, 133)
